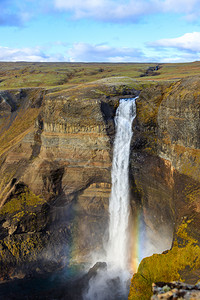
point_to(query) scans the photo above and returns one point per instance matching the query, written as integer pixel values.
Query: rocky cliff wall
(55, 179)
(55, 163)
(165, 170)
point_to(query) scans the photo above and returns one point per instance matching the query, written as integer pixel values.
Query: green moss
(22, 247)
(192, 193)
(140, 288)
(166, 267)
(12, 206)
(31, 199)
(17, 217)
(21, 204)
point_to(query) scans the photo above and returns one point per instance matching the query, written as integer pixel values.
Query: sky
(100, 30)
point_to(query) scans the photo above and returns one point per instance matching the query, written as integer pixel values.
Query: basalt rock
(55, 162)
(56, 150)
(175, 290)
(165, 178)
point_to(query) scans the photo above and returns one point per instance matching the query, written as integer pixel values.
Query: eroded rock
(175, 290)
(60, 160)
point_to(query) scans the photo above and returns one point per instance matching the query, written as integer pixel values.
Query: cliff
(55, 163)
(56, 150)
(165, 170)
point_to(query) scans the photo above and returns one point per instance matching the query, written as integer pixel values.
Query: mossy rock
(23, 248)
(166, 267)
(24, 202)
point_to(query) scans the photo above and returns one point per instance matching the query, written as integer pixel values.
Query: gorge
(56, 152)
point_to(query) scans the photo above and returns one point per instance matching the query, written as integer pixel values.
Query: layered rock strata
(165, 169)
(56, 150)
(55, 176)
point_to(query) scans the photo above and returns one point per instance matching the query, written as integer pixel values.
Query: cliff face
(55, 163)
(178, 120)
(165, 173)
(55, 176)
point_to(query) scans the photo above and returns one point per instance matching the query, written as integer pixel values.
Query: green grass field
(64, 75)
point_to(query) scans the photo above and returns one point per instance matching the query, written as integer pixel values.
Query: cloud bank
(78, 52)
(28, 54)
(17, 13)
(103, 53)
(128, 10)
(187, 49)
(189, 42)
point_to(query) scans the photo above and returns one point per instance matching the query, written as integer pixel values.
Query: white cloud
(187, 42)
(178, 57)
(178, 6)
(106, 10)
(103, 53)
(83, 52)
(77, 53)
(17, 13)
(28, 54)
(127, 10)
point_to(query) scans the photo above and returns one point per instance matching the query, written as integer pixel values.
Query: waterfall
(111, 283)
(119, 206)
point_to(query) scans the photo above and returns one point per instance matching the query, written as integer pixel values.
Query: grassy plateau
(65, 75)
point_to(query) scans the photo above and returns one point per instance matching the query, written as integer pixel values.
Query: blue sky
(100, 30)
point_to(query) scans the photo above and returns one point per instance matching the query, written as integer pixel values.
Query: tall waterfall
(119, 206)
(111, 283)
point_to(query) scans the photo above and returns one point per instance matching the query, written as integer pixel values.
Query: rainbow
(137, 241)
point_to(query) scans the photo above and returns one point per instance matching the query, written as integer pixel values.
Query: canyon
(56, 149)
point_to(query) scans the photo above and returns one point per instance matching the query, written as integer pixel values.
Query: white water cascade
(111, 283)
(119, 206)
